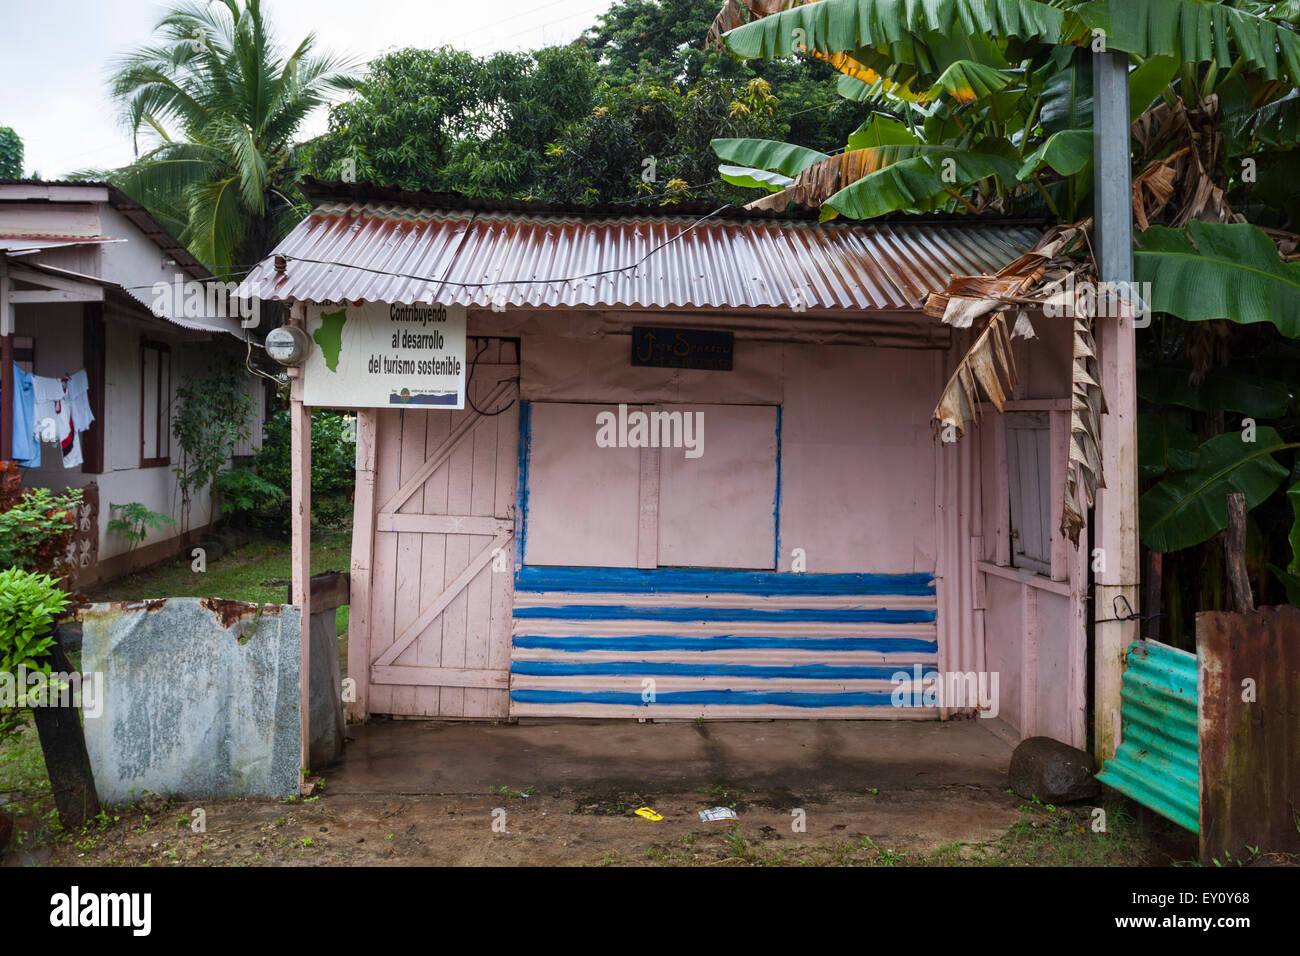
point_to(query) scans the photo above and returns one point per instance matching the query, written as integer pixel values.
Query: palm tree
(222, 106)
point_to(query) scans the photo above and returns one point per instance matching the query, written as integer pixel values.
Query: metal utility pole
(1116, 532)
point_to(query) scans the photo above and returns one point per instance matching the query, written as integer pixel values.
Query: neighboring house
(79, 263)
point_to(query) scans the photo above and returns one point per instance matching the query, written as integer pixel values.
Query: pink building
(783, 534)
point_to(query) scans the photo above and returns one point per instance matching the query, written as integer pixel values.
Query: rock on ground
(1052, 771)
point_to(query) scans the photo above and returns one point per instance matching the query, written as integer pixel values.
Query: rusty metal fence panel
(1157, 760)
(1250, 731)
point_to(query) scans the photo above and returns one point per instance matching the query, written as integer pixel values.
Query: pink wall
(857, 455)
(865, 487)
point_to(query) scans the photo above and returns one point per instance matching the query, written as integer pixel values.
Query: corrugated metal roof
(571, 258)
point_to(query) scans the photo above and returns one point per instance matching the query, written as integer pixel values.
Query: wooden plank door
(441, 506)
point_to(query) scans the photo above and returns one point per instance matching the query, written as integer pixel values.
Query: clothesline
(50, 410)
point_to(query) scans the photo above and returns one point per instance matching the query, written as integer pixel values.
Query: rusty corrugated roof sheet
(570, 258)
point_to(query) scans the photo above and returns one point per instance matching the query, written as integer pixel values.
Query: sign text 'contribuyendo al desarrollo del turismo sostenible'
(378, 355)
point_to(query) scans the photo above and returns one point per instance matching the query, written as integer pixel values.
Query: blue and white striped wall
(717, 643)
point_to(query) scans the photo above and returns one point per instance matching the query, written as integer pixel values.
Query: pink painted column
(1116, 535)
(300, 521)
(363, 542)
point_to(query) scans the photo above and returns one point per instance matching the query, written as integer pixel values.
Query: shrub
(135, 521)
(333, 454)
(36, 530)
(29, 606)
(242, 491)
(211, 417)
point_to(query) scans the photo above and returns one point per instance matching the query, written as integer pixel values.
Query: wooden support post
(67, 762)
(363, 548)
(1116, 508)
(1234, 554)
(300, 518)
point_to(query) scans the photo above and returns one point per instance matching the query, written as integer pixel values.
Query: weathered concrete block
(1052, 771)
(197, 702)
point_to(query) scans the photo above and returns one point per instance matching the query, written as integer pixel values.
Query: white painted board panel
(582, 499)
(717, 510)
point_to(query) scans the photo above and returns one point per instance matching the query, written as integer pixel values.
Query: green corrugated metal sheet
(1156, 763)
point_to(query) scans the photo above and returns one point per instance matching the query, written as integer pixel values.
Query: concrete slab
(445, 757)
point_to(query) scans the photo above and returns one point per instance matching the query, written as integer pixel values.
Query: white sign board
(381, 355)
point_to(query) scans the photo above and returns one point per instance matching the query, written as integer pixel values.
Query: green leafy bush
(36, 531)
(29, 605)
(242, 491)
(212, 416)
(135, 521)
(333, 454)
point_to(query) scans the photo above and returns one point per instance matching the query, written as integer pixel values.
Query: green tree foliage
(663, 42)
(220, 105)
(576, 123)
(447, 120)
(211, 417)
(333, 466)
(605, 156)
(29, 605)
(11, 154)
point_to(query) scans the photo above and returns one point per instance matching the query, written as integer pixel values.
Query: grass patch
(22, 765)
(256, 573)
(241, 575)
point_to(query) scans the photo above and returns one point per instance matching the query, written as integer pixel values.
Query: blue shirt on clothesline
(26, 449)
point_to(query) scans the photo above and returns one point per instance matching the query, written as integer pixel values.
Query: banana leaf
(1190, 507)
(1219, 271)
(768, 154)
(754, 178)
(1222, 389)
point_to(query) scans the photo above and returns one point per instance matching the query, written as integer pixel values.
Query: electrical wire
(470, 381)
(505, 282)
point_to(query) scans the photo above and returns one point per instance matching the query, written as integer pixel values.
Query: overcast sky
(55, 56)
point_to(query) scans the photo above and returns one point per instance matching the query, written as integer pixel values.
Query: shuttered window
(1029, 480)
(632, 505)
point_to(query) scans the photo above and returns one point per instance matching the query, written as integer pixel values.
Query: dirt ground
(566, 794)
(564, 828)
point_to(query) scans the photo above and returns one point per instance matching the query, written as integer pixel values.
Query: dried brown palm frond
(823, 179)
(736, 13)
(987, 366)
(1049, 277)
(1185, 184)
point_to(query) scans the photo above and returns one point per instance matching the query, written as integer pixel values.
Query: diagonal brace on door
(408, 636)
(444, 451)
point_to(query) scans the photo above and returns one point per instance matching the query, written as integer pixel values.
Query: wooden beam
(442, 677)
(300, 521)
(48, 281)
(35, 297)
(363, 541)
(442, 524)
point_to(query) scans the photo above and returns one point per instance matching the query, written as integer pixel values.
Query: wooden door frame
(366, 522)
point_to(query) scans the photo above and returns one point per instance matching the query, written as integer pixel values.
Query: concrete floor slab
(444, 757)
